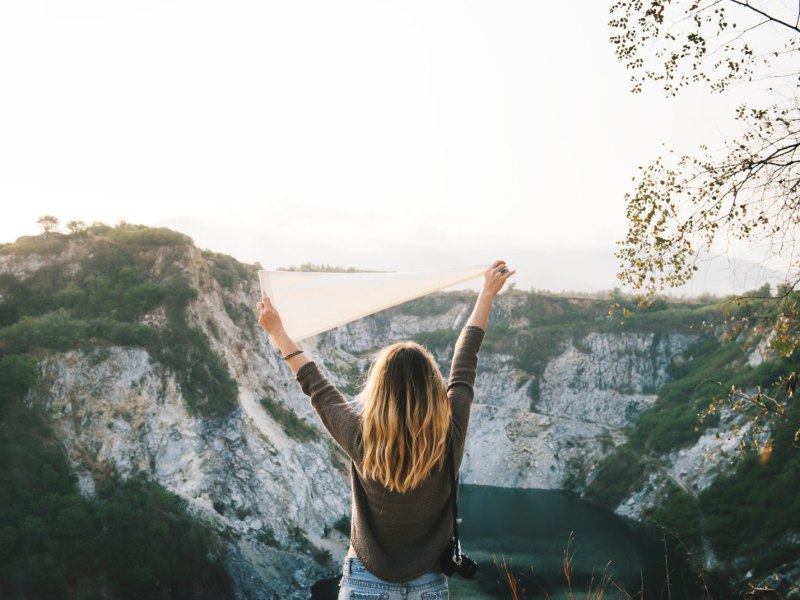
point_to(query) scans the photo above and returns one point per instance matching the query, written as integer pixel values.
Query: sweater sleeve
(336, 413)
(460, 389)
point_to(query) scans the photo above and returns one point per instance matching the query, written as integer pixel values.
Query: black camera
(455, 561)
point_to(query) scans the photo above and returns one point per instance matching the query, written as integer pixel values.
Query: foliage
(304, 545)
(434, 304)
(203, 377)
(143, 236)
(746, 512)
(706, 372)
(679, 515)
(422, 307)
(267, 536)
(544, 309)
(683, 203)
(342, 525)
(293, 425)
(227, 270)
(53, 243)
(56, 330)
(48, 223)
(134, 540)
(354, 381)
(678, 44)
(617, 476)
(599, 586)
(116, 285)
(539, 345)
(17, 374)
(438, 339)
(324, 268)
(753, 511)
(76, 226)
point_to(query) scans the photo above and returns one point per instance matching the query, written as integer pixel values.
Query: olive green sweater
(398, 536)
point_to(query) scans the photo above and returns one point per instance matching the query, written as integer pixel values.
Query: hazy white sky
(379, 134)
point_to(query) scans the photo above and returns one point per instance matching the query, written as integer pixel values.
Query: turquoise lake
(530, 529)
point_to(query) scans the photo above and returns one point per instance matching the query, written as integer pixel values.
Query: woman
(401, 515)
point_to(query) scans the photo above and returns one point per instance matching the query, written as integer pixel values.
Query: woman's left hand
(268, 317)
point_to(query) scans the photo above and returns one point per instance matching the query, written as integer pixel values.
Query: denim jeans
(359, 584)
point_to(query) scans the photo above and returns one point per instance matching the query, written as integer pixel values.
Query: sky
(376, 134)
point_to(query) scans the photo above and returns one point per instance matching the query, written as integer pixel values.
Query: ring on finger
(503, 270)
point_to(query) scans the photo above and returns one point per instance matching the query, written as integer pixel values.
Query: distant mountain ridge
(589, 267)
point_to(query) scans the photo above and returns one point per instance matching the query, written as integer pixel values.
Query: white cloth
(311, 302)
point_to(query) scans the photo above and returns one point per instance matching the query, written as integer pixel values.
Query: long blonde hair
(406, 417)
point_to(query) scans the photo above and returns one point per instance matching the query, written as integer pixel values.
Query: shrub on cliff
(133, 540)
(127, 272)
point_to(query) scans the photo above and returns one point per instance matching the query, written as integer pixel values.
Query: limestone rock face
(587, 397)
(266, 491)
(609, 378)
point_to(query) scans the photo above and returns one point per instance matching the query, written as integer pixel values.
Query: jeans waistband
(353, 567)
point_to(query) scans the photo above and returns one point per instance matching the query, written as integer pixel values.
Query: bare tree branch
(767, 15)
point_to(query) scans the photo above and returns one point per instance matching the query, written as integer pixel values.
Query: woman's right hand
(268, 316)
(495, 278)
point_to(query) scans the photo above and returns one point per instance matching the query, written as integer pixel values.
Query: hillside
(134, 380)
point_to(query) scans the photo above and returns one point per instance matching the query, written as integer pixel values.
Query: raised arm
(465, 356)
(339, 418)
(270, 321)
(493, 281)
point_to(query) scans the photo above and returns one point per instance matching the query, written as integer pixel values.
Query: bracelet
(295, 353)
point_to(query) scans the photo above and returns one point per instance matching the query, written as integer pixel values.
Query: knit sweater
(398, 536)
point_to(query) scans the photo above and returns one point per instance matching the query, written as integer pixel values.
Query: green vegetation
(439, 339)
(17, 374)
(129, 271)
(435, 304)
(227, 270)
(133, 540)
(293, 425)
(753, 511)
(342, 525)
(304, 545)
(618, 475)
(203, 377)
(354, 378)
(267, 536)
(54, 243)
(312, 267)
(749, 512)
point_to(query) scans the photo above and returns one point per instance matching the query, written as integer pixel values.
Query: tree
(76, 226)
(750, 189)
(48, 223)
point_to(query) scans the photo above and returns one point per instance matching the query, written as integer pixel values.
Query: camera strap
(451, 464)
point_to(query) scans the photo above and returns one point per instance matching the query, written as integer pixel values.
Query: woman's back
(399, 535)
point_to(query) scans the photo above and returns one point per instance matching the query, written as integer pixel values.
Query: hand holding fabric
(495, 277)
(268, 316)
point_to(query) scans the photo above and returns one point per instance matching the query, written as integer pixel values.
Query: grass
(598, 588)
(602, 585)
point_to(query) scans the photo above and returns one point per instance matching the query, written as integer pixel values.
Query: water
(530, 529)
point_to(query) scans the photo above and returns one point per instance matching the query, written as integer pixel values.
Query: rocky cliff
(266, 475)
